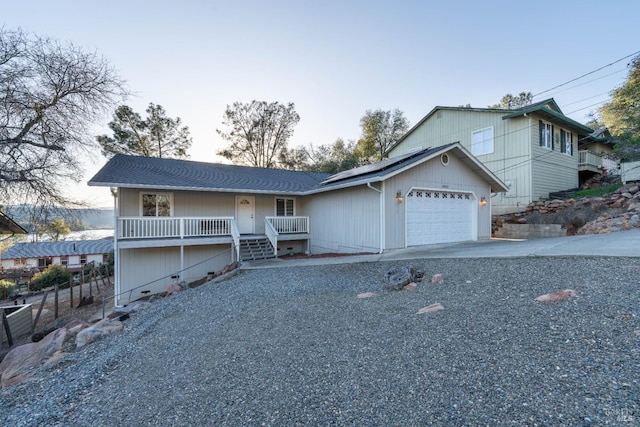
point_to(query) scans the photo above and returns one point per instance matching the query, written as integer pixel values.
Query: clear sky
(337, 59)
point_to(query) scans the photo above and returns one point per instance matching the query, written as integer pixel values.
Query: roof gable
(549, 110)
(388, 168)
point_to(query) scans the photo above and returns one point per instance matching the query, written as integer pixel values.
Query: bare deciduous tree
(51, 93)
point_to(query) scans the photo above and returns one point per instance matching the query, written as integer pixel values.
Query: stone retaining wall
(530, 231)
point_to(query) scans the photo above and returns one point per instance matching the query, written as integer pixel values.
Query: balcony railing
(289, 224)
(173, 227)
(588, 159)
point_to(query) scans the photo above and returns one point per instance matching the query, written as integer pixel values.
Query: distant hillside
(92, 218)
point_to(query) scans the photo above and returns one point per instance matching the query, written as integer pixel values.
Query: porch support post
(181, 275)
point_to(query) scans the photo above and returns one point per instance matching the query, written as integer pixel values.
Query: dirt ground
(66, 311)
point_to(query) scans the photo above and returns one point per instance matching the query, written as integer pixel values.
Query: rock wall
(589, 215)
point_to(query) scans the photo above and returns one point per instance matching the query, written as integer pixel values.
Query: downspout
(381, 214)
(116, 255)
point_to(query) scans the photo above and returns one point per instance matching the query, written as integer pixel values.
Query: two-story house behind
(533, 149)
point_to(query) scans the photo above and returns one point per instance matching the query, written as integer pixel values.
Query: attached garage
(438, 216)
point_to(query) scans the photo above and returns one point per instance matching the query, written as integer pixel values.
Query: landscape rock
(97, 331)
(398, 278)
(367, 294)
(18, 363)
(557, 296)
(436, 278)
(173, 288)
(433, 308)
(409, 286)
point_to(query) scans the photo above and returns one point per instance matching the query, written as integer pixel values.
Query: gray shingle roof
(42, 249)
(150, 172)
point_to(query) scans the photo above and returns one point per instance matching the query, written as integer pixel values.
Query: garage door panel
(439, 217)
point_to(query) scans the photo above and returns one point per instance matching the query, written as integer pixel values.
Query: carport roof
(64, 248)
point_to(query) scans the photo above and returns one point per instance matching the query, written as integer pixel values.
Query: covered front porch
(146, 232)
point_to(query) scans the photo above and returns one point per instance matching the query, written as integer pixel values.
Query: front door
(245, 212)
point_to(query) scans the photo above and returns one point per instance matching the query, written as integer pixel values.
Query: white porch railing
(272, 235)
(168, 227)
(289, 224)
(587, 158)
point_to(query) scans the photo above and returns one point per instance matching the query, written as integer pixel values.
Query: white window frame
(485, 145)
(546, 136)
(566, 144)
(285, 199)
(160, 193)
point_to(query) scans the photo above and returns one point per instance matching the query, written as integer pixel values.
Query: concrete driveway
(621, 244)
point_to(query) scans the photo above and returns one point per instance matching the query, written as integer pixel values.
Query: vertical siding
(345, 220)
(150, 269)
(456, 176)
(551, 170)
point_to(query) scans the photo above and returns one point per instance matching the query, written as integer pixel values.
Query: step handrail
(272, 235)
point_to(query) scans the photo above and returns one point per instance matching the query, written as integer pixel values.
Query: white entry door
(437, 216)
(245, 213)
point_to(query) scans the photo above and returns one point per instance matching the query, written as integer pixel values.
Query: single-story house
(40, 255)
(181, 220)
(534, 150)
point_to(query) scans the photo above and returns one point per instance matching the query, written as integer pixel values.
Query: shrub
(6, 288)
(54, 275)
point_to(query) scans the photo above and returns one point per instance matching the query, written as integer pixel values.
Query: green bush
(54, 275)
(6, 288)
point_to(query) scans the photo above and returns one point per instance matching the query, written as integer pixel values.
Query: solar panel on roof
(373, 167)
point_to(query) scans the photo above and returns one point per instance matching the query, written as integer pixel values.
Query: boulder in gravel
(397, 278)
(433, 308)
(557, 296)
(17, 364)
(173, 288)
(97, 331)
(409, 286)
(436, 278)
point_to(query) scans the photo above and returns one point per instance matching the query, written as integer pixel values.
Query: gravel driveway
(295, 346)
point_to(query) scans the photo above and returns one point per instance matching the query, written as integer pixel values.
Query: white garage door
(439, 217)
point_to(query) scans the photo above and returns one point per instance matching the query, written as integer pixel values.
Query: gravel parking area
(295, 346)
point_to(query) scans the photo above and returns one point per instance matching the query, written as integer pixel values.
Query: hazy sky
(337, 59)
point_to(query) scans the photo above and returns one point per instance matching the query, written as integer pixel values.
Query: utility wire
(586, 74)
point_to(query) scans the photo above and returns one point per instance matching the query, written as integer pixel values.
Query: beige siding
(551, 170)
(202, 203)
(150, 269)
(345, 220)
(509, 160)
(432, 175)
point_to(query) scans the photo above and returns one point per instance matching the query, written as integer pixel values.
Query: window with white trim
(64, 260)
(156, 204)
(482, 141)
(285, 206)
(566, 142)
(546, 135)
(83, 259)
